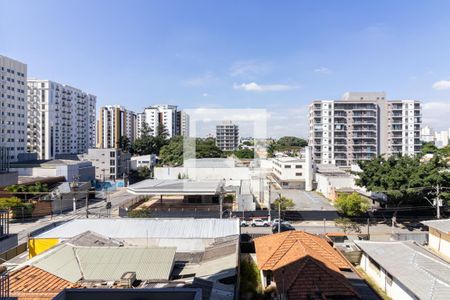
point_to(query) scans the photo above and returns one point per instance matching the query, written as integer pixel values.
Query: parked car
(260, 223)
(283, 227)
(275, 221)
(244, 223)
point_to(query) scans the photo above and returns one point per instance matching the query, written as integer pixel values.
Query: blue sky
(277, 55)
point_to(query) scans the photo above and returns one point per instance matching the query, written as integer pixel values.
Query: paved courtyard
(305, 200)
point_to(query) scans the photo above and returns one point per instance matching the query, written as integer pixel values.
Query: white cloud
(205, 94)
(436, 114)
(255, 87)
(322, 70)
(248, 69)
(442, 85)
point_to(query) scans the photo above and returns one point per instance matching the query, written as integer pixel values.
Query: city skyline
(202, 60)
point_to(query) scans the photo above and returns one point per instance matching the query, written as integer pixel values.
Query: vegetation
(21, 188)
(372, 284)
(430, 148)
(347, 225)
(16, 206)
(172, 154)
(139, 213)
(285, 203)
(140, 174)
(147, 143)
(405, 180)
(244, 153)
(286, 143)
(352, 204)
(250, 284)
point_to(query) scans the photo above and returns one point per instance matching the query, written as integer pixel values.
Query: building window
(287, 166)
(298, 174)
(298, 166)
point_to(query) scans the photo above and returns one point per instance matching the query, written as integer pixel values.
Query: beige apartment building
(114, 122)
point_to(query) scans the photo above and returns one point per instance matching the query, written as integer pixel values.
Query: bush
(352, 204)
(139, 213)
(16, 207)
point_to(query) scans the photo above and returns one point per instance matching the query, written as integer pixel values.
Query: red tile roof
(277, 250)
(34, 283)
(304, 265)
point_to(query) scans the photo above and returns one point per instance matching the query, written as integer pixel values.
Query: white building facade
(164, 116)
(61, 119)
(115, 122)
(13, 107)
(362, 126)
(227, 136)
(294, 172)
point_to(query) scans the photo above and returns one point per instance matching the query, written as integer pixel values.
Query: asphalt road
(97, 208)
(307, 200)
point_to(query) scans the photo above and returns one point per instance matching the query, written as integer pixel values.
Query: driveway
(305, 201)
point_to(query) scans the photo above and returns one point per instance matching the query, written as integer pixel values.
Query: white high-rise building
(161, 115)
(427, 134)
(227, 136)
(362, 126)
(113, 123)
(183, 124)
(61, 119)
(13, 107)
(441, 138)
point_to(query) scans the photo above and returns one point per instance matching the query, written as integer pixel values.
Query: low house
(439, 236)
(405, 270)
(294, 172)
(299, 265)
(94, 253)
(142, 161)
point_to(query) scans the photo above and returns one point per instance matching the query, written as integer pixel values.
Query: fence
(11, 253)
(4, 286)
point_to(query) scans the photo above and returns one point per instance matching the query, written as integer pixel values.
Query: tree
(172, 153)
(124, 143)
(245, 154)
(291, 141)
(352, 204)
(347, 225)
(148, 144)
(404, 179)
(285, 203)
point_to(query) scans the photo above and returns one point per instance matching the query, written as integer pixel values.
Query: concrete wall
(326, 183)
(239, 173)
(393, 288)
(439, 241)
(9, 178)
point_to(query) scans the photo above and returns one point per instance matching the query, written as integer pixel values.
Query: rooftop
(31, 282)
(423, 273)
(175, 187)
(278, 250)
(303, 265)
(209, 163)
(147, 228)
(441, 225)
(105, 263)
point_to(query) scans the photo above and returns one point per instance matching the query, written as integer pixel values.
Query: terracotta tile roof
(309, 278)
(34, 283)
(304, 265)
(277, 250)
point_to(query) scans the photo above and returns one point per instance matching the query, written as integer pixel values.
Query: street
(97, 209)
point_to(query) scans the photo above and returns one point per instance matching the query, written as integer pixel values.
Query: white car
(260, 223)
(244, 223)
(275, 222)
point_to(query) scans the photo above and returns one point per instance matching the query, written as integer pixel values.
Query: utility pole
(438, 201)
(87, 203)
(279, 213)
(270, 214)
(368, 228)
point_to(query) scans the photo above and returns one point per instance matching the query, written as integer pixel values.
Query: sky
(255, 54)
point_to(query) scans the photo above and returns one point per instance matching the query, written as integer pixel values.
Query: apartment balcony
(340, 149)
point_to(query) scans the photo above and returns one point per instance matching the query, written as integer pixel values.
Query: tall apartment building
(167, 116)
(140, 121)
(61, 119)
(13, 106)
(183, 123)
(427, 134)
(362, 126)
(114, 122)
(227, 136)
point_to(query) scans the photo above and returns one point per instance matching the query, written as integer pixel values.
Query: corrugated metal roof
(143, 228)
(175, 186)
(441, 225)
(109, 264)
(423, 273)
